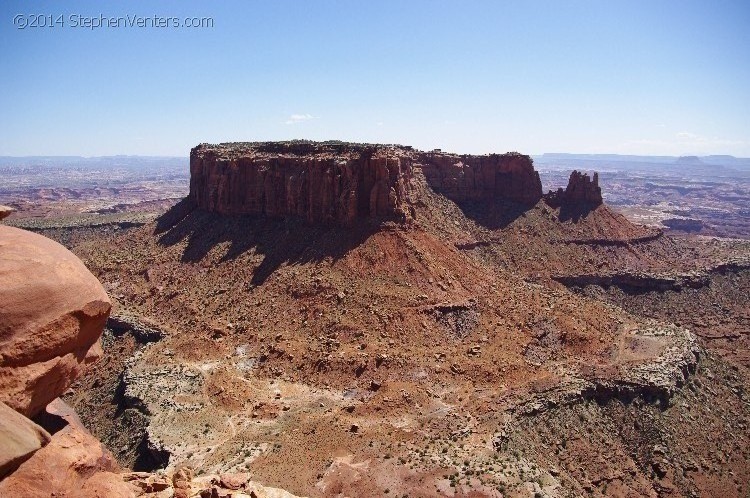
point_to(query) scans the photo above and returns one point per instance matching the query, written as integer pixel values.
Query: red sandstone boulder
(19, 439)
(73, 464)
(52, 313)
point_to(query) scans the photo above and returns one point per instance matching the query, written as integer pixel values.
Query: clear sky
(636, 77)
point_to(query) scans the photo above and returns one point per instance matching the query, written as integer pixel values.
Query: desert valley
(331, 319)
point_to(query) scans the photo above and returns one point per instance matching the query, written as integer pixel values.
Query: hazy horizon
(549, 153)
(642, 78)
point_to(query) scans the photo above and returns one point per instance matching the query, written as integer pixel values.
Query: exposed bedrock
(339, 183)
(509, 177)
(320, 183)
(671, 356)
(635, 282)
(5, 211)
(582, 191)
(52, 312)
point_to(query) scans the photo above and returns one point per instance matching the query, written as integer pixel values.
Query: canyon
(339, 319)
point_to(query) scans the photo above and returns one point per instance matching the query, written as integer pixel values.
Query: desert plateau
(387, 249)
(338, 319)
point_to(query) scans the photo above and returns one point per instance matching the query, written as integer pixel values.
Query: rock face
(683, 224)
(19, 439)
(322, 183)
(509, 177)
(582, 191)
(52, 312)
(339, 183)
(74, 463)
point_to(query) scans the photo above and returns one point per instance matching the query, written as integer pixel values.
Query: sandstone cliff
(508, 177)
(322, 183)
(338, 183)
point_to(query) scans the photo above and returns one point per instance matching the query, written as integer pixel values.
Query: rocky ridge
(644, 281)
(674, 356)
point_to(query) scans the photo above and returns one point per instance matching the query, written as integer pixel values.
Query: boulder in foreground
(19, 439)
(52, 313)
(74, 463)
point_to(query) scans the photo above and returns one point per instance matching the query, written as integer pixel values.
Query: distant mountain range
(129, 162)
(714, 164)
(552, 160)
(719, 160)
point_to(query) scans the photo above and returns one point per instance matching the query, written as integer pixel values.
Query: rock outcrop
(582, 192)
(504, 177)
(683, 224)
(5, 211)
(74, 463)
(19, 439)
(320, 182)
(339, 183)
(183, 483)
(52, 312)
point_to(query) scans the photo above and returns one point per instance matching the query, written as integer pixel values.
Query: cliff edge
(339, 183)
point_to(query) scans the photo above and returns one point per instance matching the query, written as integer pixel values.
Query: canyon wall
(338, 183)
(322, 183)
(503, 177)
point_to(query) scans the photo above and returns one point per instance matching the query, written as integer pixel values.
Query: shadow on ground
(576, 212)
(495, 215)
(280, 241)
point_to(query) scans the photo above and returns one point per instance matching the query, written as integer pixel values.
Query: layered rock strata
(339, 183)
(322, 183)
(504, 177)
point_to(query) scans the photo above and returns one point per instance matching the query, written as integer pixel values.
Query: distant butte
(339, 183)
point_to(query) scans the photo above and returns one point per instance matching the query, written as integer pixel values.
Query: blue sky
(636, 77)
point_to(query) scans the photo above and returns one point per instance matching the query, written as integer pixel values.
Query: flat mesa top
(334, 148)
(331, 149)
